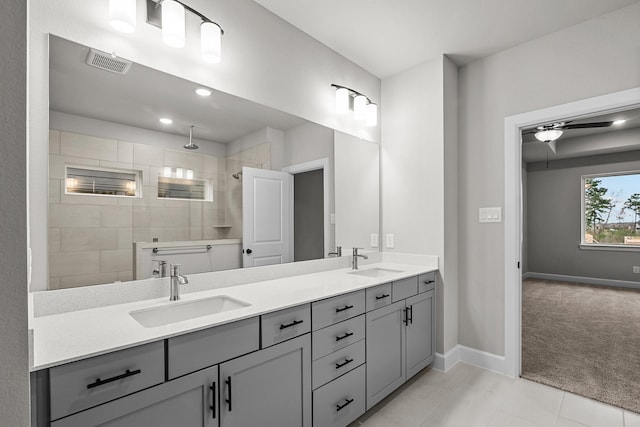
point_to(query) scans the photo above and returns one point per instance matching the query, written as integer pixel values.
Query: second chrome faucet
(176, 280)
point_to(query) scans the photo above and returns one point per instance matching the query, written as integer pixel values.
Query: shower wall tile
(148, 155)
(54, 240)
(125, 238)
(116, 260)
(71, 216)
(88, 147)
(87, 279)
(125, 152)
(116, 216)
(141, 217)
(55, 186)
(183, 159)
(57, 164)
(54, 142)
(83, 239)
(74, 263)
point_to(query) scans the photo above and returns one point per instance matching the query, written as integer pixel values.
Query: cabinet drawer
(80, 385)
(426, 282)
(405, 288)
(285, 324)
(340, 402)
(378, 296)
(197, 350)
(337, 336)
(336, 309)
(338, 363)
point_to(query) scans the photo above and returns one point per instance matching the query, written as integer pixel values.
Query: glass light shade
(210, 42)
(167, 172)
(189, 174)
(548, 135)
(179, 172)
(342, 100)
(360, 107)
(122, 15)
(372, 115)
(173, 23)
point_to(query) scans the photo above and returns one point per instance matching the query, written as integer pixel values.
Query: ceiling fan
(551, 132)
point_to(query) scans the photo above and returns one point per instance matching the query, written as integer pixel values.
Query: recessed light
(619, 122)
(166, 121)
(203, 92)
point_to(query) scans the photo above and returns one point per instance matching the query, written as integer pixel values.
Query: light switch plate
(390, 241)
(332, 218)
(490, 214)
(374, 240)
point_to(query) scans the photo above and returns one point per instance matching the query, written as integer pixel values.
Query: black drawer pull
(128, 373)
(346, 335)
(406, 316)
(213, 399)
(346, 307)
(346, 362)
(292, 324)
(427, 282)
(228, 383)
(410, 308)
(345, 404)
(383, 296)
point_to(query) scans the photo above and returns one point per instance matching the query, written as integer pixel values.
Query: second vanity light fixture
(363, 108)
(169, 15)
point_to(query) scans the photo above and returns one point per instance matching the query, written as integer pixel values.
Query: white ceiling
(388, 36)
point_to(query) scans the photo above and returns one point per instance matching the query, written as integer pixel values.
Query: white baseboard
(578, 279)
(481, 359)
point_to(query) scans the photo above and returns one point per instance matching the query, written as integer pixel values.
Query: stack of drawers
(338, 351)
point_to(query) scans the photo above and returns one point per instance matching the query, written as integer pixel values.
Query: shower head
(237, 175)
(191, 145)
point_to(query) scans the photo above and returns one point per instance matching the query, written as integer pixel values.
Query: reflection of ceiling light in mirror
(173, 23)
(166, 121)
(179, 173)
(619, 122)
(548, 135)
(203, 91)
(210, 42)
(122, 15)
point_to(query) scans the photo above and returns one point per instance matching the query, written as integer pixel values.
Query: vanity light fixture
(363, 108)
(166, 121)
(203, 92)
(169, 15)
(122, 15)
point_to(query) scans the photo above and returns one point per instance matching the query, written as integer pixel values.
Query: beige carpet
(583, 339)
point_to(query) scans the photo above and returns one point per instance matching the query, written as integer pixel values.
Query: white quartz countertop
(71, 336)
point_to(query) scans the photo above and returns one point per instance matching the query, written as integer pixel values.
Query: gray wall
(592, 58)
(554, 220)
(14, 353)
(308, 215)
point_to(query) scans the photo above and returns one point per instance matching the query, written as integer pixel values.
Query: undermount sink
(178, 311)
(375, 272)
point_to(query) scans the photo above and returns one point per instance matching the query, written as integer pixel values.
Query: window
(611, 209)
(101, 181)
(184, 188)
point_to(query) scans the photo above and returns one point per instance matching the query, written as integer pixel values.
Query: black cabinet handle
(427, 282)
(99, 382)
(213, 399)
(345, 404)
(346, 335)
(411, 311)
(228, 383)
(383, 296)
(346, 307)
(406, 316)
(346, 362)
(294, 323)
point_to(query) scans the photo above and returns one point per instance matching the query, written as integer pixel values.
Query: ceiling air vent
(107, 62)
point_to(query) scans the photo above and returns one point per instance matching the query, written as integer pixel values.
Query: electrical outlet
(390, 241)
(636, 269)
(374, 240)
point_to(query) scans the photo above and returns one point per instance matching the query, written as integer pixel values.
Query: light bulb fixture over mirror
(170, 16)
(363, 108)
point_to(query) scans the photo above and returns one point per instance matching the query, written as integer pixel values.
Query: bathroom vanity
(313, 349)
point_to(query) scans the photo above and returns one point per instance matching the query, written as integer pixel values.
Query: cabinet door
(184, 402)
(271, 387)
(385, 351)
(420, 332)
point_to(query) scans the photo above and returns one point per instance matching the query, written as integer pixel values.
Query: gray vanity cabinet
(189, 401)
(420, 345)
(270, 387)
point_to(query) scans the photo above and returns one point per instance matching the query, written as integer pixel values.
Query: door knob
(249, 251)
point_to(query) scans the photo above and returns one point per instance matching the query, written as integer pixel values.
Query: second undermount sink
(375, 272)
(184, 310)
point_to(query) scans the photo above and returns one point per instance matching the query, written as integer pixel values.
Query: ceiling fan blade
(529, 131)
(587, 125)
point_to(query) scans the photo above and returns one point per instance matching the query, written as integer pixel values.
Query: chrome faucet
(355, 257)
(337, 253)
(176, 281)
(161, 270)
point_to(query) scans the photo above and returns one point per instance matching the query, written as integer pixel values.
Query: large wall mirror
(128, 189)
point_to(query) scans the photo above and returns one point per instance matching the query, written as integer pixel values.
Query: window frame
(137, 173)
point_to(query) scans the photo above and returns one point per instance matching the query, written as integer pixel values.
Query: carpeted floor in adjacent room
(583, 339)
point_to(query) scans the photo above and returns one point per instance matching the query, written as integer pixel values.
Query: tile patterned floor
(467, 396)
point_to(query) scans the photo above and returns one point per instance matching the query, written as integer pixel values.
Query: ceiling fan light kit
(548, 135)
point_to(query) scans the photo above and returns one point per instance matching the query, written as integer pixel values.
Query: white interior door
(267, 214)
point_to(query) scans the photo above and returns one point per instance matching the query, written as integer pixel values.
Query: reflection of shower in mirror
(237, 175)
